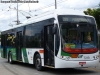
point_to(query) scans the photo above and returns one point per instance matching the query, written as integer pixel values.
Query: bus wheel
(38, 63)
(10, 58)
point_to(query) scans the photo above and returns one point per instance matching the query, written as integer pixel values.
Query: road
(25, 69)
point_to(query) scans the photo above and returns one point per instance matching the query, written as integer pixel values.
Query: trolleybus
(57, 39)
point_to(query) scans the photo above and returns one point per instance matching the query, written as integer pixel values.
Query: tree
(95, 13)
(90, 11)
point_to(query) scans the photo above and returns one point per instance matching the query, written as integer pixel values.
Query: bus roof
(50, 14)
(54, 13)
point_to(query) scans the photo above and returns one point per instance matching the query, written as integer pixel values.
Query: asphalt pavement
(26, 69)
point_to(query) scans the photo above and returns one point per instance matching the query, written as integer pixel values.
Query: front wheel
(38, 63)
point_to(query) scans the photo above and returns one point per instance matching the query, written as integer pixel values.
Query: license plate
(82, 63)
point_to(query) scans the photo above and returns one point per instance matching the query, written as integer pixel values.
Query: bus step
(49, 66)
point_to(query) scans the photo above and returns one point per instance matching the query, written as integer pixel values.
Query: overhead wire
(52, 4)
(7, 10)
(18, 11)
(44, 7)
(38, 8)
(41, 7)
(6, 7)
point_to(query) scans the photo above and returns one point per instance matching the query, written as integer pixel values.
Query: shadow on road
(69, 71)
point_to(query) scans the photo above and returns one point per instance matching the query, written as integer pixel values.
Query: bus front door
(19, 45)
(48, 46)
(4, 46)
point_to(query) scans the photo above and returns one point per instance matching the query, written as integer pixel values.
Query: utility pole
(18, 22)
(55, 4)
(17, 14)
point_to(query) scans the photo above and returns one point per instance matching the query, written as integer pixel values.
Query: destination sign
(75, 18)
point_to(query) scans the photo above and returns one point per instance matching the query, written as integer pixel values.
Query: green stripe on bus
(65, 54)
(25, 55)
(13, 51)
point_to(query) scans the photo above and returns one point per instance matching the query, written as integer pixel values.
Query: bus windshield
(79, 36)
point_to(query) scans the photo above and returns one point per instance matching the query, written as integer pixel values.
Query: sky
(8, 13)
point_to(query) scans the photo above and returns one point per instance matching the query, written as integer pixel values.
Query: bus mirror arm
(54, 30)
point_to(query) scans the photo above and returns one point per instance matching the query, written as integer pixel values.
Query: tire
(10, 58)
(38, 64)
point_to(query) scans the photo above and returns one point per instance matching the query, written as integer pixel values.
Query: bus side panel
(28, 55)
(13, 51)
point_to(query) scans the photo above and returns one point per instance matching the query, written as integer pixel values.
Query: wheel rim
(10, 58)
(38, 63)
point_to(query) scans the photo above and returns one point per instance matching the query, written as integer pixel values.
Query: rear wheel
(38, 63)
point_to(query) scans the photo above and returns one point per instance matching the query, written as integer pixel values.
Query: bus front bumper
(59, 63)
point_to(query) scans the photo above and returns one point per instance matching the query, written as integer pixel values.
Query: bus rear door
(19, 45)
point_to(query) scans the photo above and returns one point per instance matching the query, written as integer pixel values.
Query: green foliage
(95, 13)
(90, 11)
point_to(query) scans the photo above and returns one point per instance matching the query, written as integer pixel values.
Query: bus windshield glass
(78, 35)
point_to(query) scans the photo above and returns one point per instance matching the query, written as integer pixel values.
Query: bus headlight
(96, 57)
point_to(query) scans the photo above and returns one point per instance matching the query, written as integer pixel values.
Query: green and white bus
(46, 40)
